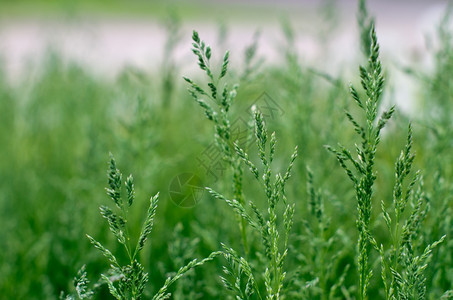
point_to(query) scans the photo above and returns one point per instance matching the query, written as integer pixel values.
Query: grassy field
(271, 225)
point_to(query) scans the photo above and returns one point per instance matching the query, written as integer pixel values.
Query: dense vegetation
(281, 218)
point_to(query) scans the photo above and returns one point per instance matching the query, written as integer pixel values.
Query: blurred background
(106, 36)
(80, 79)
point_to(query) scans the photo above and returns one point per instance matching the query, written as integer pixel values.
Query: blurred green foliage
(146, 9)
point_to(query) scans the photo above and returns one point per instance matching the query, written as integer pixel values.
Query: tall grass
(380, 232)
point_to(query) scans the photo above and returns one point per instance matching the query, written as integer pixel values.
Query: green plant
(124, 281)
(128, 281)
(252, 63)
(169, 66)
(222, 97)
(239, 269)
(405, 268)
(322, 249)
(365, 22)
(363, 176)
(81, 284)
(400, 263)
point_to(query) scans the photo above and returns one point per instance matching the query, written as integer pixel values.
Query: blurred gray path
(107, 45)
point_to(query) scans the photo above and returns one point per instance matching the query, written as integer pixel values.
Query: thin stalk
(127, 245)
(323, 279)
(239, 196)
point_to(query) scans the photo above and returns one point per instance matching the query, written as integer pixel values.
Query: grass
(383, 231)
(141, 10)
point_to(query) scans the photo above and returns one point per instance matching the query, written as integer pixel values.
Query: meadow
(259, 180)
